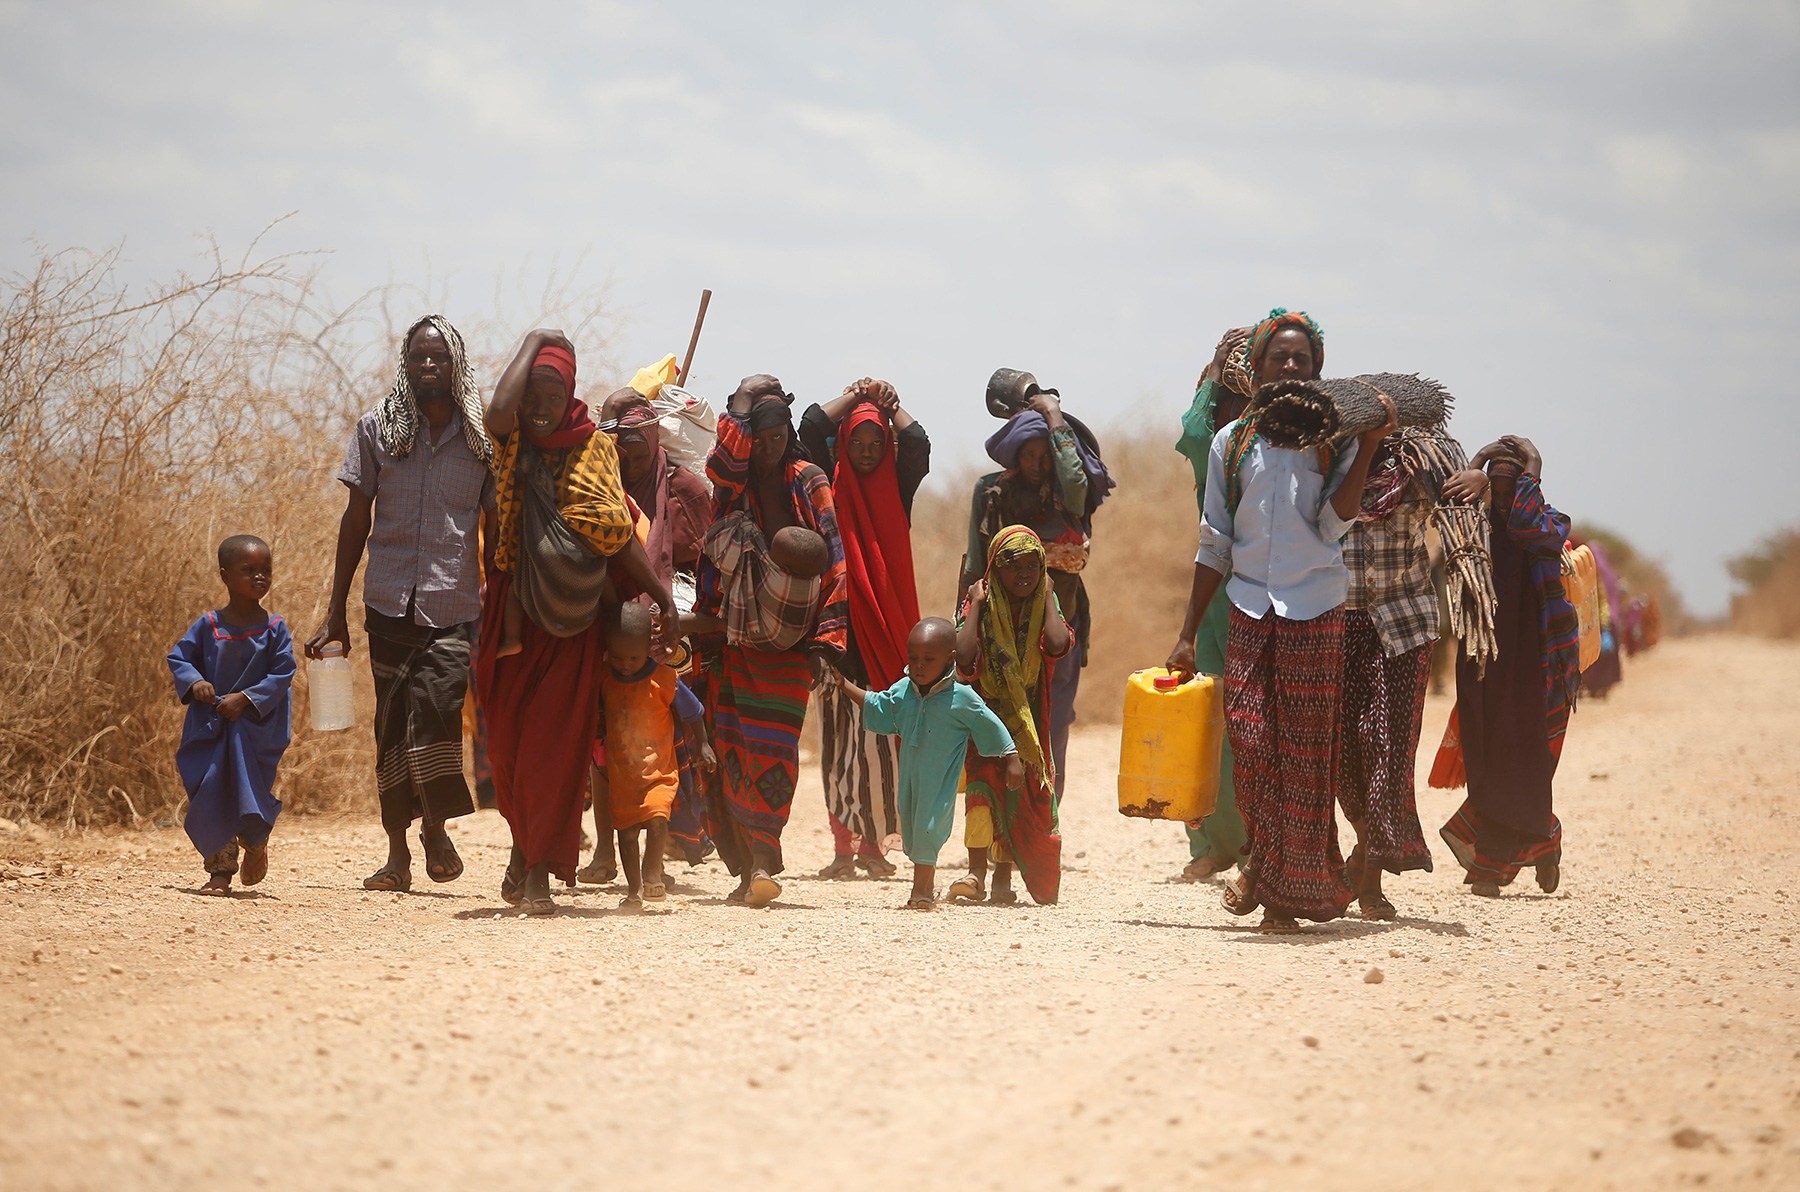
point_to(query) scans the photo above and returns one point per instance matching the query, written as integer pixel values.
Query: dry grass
(136, 431)
(1770, 605)
(1138, 576)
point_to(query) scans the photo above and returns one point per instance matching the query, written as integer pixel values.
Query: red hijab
(576, 426)
(884, 602)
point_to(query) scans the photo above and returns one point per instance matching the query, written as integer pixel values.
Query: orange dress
(642, 770)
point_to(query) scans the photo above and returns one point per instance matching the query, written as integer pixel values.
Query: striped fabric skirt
(861, 775)
(421, 677)
(1283, 679)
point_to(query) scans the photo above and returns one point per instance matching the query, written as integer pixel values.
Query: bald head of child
(930, 651)
(246, 567)
(800, 552)
(628, 641)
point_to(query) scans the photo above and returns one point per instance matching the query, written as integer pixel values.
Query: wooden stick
(705, 297)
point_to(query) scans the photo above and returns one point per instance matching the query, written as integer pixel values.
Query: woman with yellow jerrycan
(1169, 750)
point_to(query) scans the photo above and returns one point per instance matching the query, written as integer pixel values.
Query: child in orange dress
(640, 701)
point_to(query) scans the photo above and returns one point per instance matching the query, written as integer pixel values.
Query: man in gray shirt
(417, 471)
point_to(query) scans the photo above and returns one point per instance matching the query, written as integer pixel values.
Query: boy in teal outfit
(936, 717)
(1222, 395)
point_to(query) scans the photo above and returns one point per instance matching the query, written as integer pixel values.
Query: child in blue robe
(233, 669)
(936, 717)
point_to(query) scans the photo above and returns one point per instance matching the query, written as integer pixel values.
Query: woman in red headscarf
(563, 519)
(876, 455)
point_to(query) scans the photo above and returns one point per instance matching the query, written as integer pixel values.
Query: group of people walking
(528, 547)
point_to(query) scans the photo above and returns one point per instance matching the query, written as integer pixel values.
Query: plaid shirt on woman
(1390, 574)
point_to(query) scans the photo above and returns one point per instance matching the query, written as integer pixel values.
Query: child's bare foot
(761, 889)
(1003, 894)
(509, 647)
(218, 883)
(839, 869)
(256, 864)
(967, 888)
(1201, 868)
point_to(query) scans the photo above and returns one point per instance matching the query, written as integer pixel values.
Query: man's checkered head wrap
(397, 418)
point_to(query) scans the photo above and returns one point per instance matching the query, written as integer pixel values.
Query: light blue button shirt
(1284, 547)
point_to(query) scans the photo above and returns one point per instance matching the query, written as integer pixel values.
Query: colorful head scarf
(1011, 645)
(576, 426)
(397, 417)
(1279, 318)
(878, 559)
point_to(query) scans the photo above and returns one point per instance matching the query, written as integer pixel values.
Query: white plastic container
(330, 691)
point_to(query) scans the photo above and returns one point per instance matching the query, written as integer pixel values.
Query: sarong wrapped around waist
(421, 677)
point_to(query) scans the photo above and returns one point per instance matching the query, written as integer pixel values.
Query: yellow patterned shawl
(589, 495)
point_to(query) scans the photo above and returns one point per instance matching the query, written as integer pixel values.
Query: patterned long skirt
(1023, 826)
(1379, 716)
(421, 677)
(758, 707)
(861, 774)
(1282, 682)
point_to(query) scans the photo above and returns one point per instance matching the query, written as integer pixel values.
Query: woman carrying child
(758, 696)
(877, 455)
(1052, 480)
(1011, 635)
(1506, 733)
(563, 517)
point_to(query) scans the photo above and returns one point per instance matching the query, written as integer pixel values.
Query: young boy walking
(641, 699)
(938, 720)
(1274, 521)
(233, 668)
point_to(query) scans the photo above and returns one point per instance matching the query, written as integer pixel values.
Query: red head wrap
(575, 426)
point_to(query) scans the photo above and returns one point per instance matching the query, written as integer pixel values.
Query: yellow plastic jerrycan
(1169, 756)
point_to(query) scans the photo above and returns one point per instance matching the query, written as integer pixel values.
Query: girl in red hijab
(877, 455)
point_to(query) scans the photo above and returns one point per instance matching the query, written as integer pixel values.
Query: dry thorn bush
(135, 433)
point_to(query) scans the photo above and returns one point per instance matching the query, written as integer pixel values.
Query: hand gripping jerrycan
(1169, 754)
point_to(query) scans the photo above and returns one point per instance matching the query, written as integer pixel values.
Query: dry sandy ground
(1637, 1029)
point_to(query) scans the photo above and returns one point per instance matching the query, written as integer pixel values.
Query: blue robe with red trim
(228, 766)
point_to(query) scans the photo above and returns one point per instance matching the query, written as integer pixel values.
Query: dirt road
(1637, 1029)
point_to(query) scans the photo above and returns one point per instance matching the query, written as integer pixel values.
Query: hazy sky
(1583, 218)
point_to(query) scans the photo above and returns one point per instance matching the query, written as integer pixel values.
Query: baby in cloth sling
(769, 592)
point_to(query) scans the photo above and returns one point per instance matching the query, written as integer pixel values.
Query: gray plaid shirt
(424, 542)
(1390, 574)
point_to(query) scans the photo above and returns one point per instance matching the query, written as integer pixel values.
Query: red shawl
(884, 602)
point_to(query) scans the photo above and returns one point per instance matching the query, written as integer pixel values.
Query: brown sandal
(256, 864)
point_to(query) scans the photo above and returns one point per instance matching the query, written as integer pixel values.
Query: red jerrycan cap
(1166, 682)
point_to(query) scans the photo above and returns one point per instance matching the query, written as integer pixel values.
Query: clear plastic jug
(1169, 751)
(329, 690)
